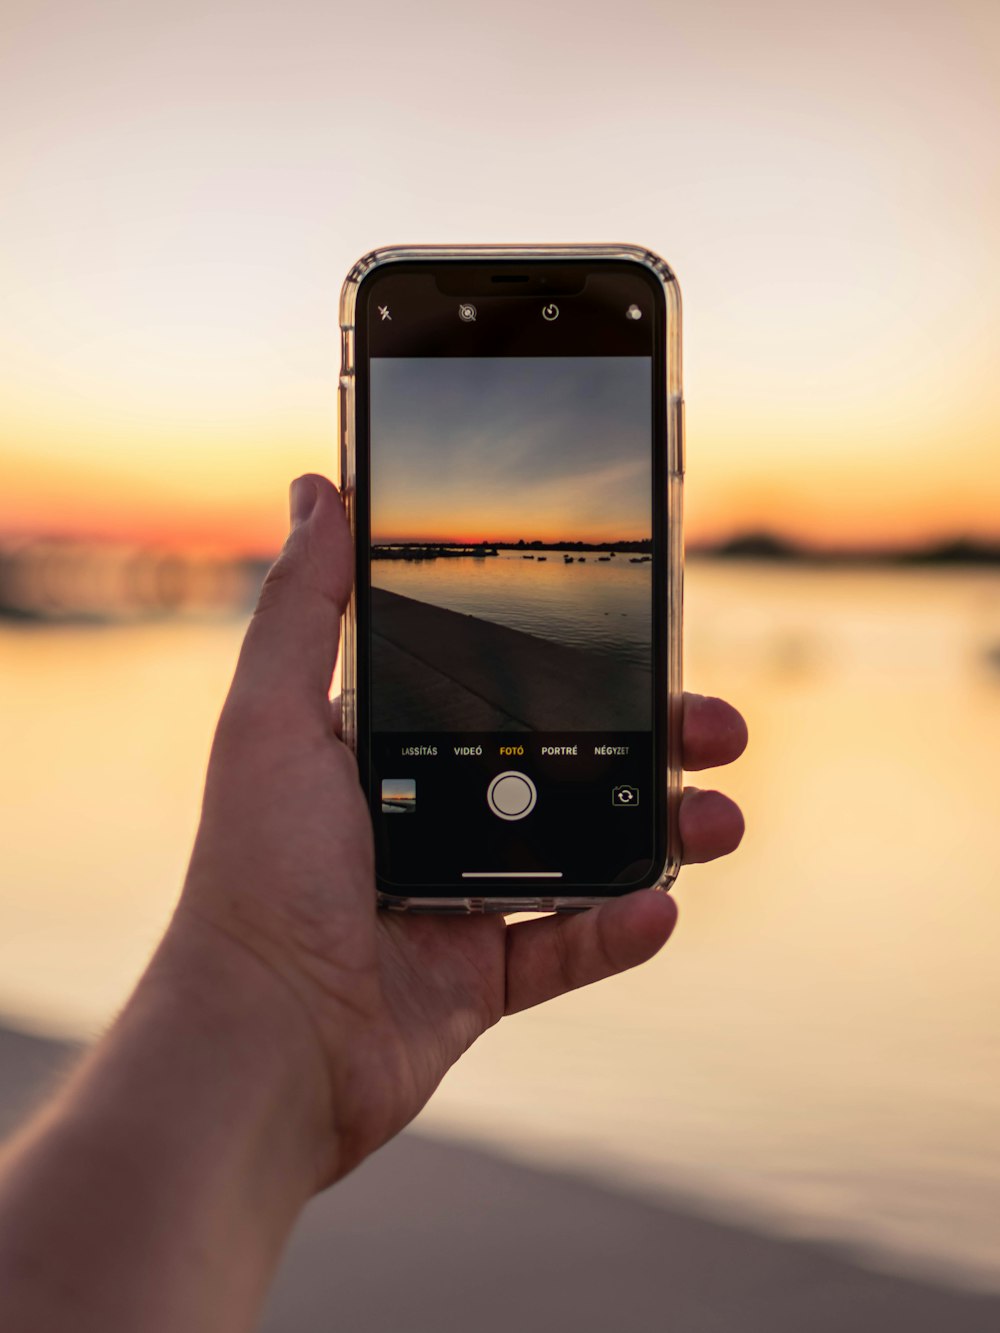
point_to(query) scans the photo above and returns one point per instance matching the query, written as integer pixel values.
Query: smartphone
(512, 463)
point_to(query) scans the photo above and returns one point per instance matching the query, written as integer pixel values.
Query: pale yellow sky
(185, 186)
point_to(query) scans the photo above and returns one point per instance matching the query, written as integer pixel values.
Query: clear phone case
(674, 473)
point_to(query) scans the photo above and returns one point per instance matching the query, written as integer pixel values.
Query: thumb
(291, 643)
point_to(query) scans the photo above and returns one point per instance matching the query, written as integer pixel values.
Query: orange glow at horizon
(229, 494)
(232, 509)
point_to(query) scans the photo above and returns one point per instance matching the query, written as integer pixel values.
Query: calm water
(817, 1049)
(604, 606)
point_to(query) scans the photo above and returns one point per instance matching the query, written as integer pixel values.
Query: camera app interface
(508, 620)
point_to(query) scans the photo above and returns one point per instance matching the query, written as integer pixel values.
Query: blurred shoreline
(58, 580)
(584, 1256)
(950, 551)
(62, 581)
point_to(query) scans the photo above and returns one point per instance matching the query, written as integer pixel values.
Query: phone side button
(680, 432)
(342, 424)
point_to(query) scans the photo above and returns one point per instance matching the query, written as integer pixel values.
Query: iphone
(512, 457)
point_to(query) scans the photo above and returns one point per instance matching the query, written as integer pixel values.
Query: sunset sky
(186, 185)
(510, 448)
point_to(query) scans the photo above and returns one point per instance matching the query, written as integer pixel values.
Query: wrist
(180, 1153)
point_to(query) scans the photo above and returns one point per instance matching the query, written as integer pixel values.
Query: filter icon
(633, 312)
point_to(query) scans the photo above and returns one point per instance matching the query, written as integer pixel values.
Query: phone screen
(511, 732)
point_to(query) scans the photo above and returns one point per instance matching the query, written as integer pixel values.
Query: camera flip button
(511, 795)
(625, 796)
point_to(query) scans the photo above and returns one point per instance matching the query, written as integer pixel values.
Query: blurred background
(185, 186)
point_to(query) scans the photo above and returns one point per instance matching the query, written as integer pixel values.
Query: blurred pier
(67, 581)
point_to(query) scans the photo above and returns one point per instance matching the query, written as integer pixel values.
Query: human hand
(281, 880)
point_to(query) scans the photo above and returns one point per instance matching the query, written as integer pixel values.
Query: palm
(442, 981)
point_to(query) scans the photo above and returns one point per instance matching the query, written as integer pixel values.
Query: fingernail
(302, 496)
